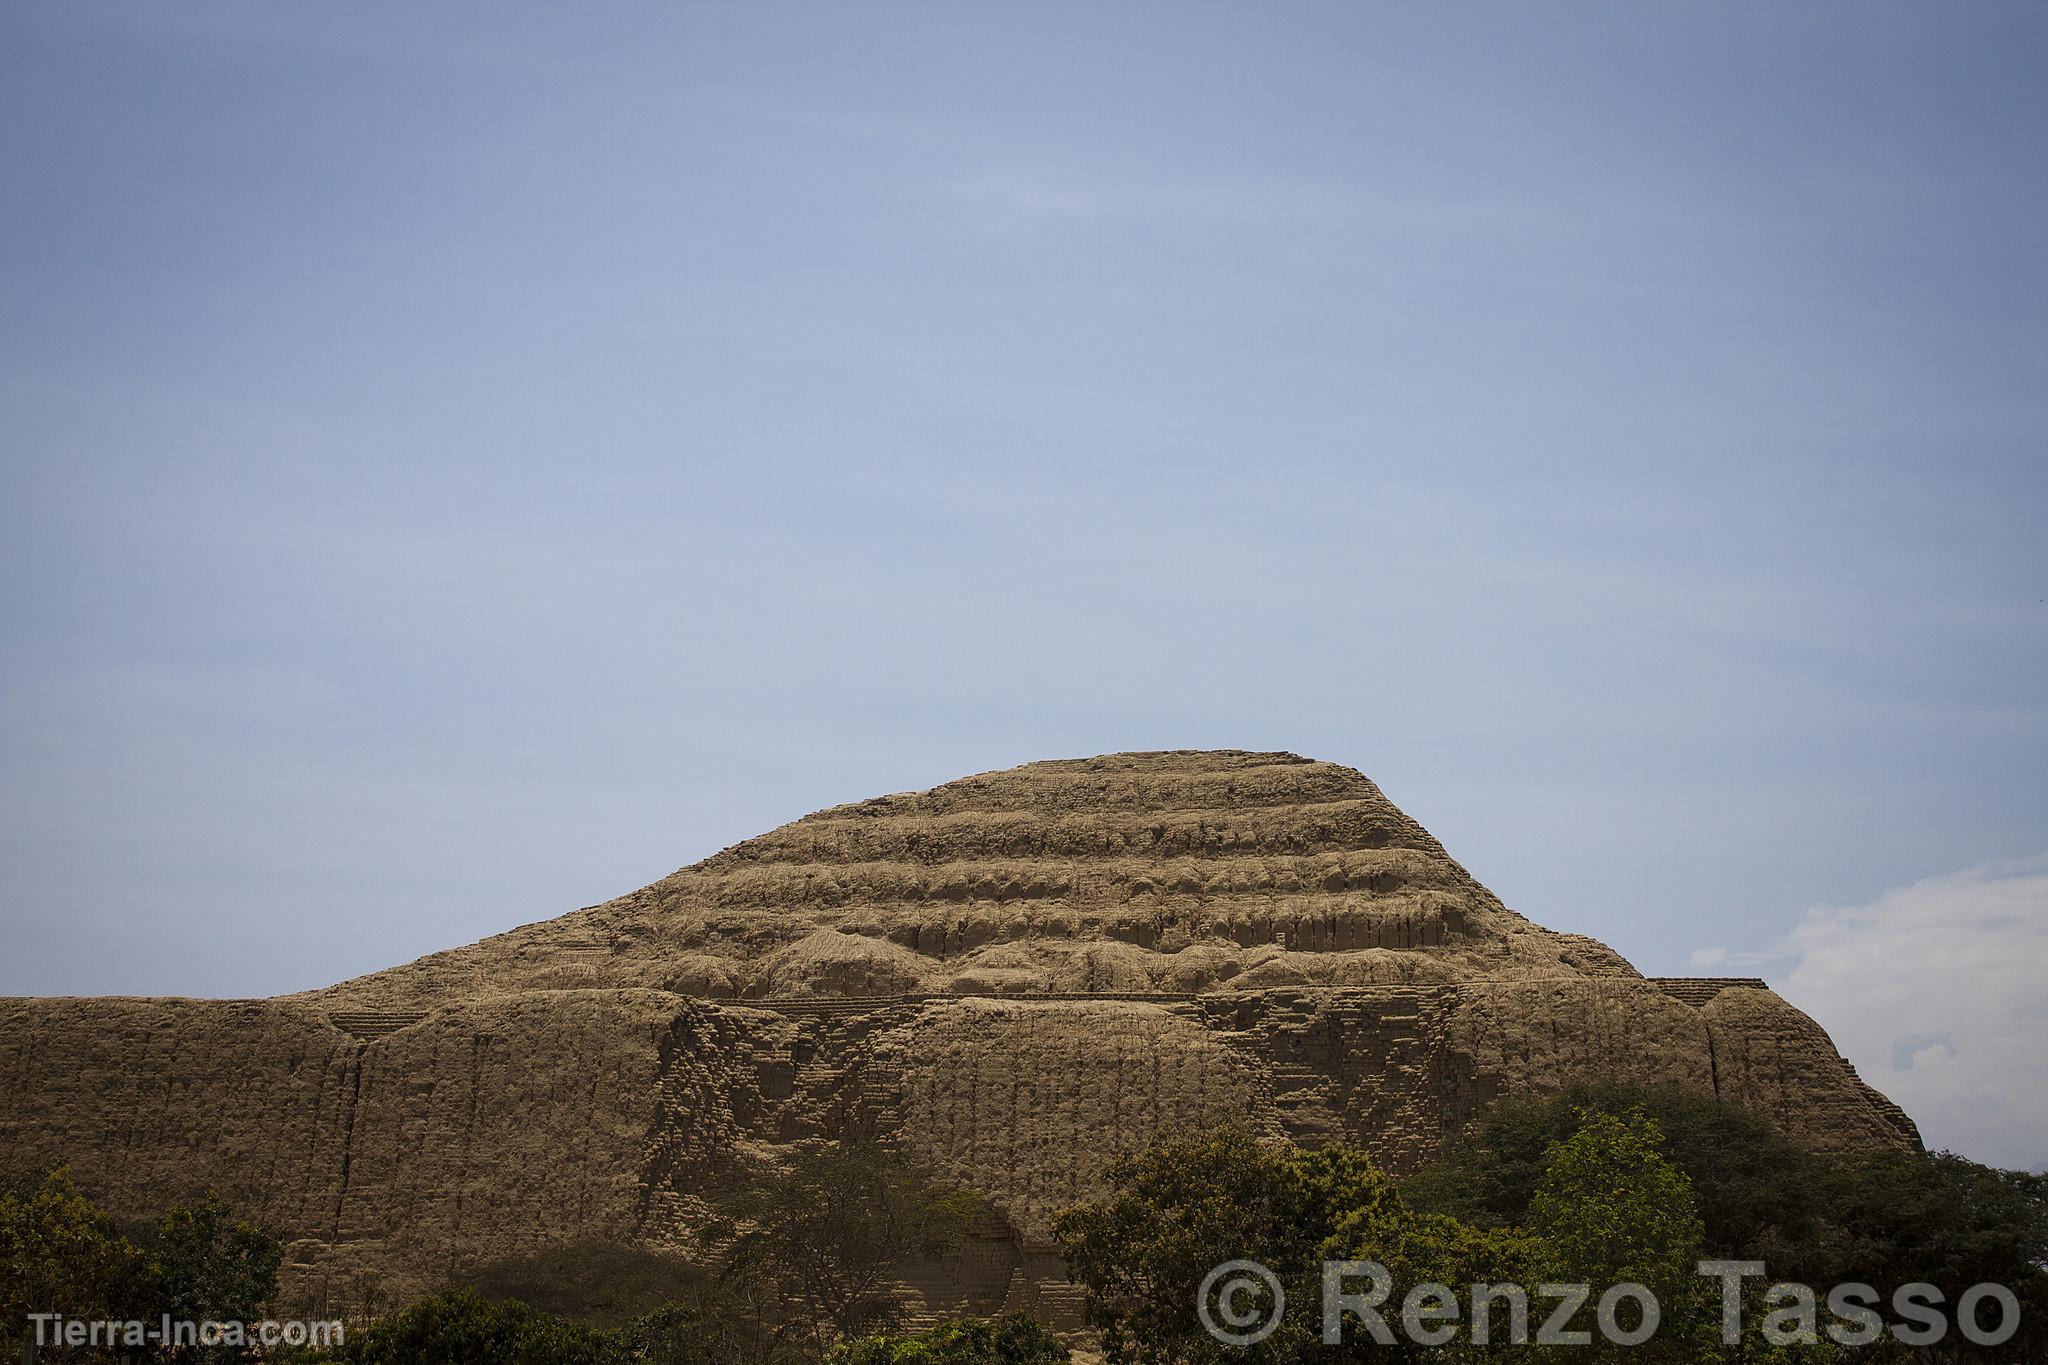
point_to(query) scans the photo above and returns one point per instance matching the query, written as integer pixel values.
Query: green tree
(1012, 1339)
(715, 1328)
(1887, 1220)
(1184, 1208)
(463, 1328)
(59, 1253)
(206, 1265)
(1434, 1249)
(1940, 1219)
(599, 1282)
(831, 1233)
(1611, 1211)
(1759, 1196)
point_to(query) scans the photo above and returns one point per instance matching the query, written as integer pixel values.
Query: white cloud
(1938, 992)
(1725, 962)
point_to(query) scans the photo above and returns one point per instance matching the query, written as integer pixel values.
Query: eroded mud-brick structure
(1016, 977)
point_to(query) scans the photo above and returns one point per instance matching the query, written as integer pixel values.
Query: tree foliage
(1609, 1202)
(1612, 1210)
(1184, 1208)
(1885, 1221)
(59, 1253)
(207, 1265)
(714, 1329)
(600, 1282)
(1012, 1339)
(1759, 1196)
(831, 1232)
(1940, 1219)
(461, 1327)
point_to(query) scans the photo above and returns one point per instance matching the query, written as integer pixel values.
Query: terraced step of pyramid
(1698, 990)
(374, 1023)
(834, 1007)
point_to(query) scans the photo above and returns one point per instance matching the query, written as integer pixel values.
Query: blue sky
(463, 462)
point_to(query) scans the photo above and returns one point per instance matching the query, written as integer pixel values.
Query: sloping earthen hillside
(1016, 977)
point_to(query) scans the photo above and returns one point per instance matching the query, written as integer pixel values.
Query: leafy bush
(728, 1331)
(1012, 1339)
(206, 1265)
(462, 1327)
(1759, 1196)
(1186, 1207)
(1612, 1210)
(598, 1282)
(59, 1253)
(830, 1231)
(1889, 1220)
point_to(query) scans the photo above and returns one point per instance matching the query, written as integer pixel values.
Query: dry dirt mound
(1167, 872)
(1016, 977)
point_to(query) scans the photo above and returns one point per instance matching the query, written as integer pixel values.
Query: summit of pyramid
(1134, 873)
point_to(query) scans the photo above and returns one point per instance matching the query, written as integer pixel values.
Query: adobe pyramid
(1016, 977)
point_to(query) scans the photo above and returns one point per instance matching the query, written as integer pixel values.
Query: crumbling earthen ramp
(1017, 977)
